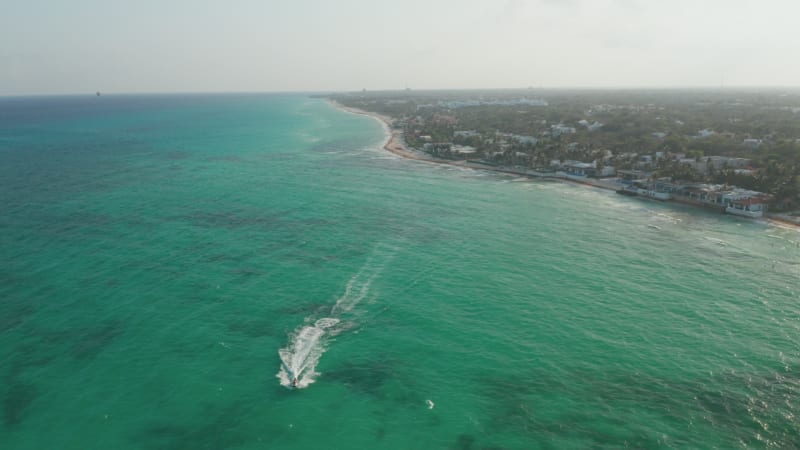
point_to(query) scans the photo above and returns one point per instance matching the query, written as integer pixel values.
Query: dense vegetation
(628, 127)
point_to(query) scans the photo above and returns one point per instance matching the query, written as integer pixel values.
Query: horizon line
(408, 89)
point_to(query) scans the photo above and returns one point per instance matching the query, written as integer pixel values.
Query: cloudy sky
(61, 46)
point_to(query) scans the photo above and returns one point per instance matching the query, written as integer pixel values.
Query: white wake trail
(356, 290)
(307, 343)
(300, 357)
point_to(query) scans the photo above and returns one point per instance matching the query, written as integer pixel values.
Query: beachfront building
(732, 200)
(559, 129)
(657, 190)
(629, 176)
(725, 162)
(519, 138)
(743, 202)
(705, 133)
(590, 126)
(701, 192)
(465, 133)
(463, 151)
(705, 164)
(578, 169)
(752, 144)
(522, 139)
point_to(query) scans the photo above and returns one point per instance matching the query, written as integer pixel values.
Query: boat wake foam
(307, 343)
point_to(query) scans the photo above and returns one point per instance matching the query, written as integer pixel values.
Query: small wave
(717, 241)
(773, 236)
(672, 219)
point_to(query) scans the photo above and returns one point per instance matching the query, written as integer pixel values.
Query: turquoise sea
(169, 262)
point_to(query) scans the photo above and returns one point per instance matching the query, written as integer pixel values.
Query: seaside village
(641, 180)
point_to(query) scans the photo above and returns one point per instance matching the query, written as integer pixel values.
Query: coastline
(394, 138)
(395, 144)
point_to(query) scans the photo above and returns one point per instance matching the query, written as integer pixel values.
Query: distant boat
(98, 93)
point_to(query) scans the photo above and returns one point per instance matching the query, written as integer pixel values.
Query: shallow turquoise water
(158, 252)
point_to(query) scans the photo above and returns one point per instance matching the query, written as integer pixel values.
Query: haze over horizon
(51, 47)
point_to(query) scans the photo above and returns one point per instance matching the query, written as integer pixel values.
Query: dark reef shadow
(18, 397)
(93, 341)
(15, 315)
(214, 428)
(252, 328)
(729, 401)
(365, 377)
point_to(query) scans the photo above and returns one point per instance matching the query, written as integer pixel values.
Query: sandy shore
(396, 144)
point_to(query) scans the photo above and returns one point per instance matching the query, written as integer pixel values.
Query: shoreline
(394, 138)
(395, 144)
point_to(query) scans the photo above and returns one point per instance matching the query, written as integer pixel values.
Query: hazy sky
(73, 46)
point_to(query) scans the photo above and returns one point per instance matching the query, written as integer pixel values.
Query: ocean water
(169, 263)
